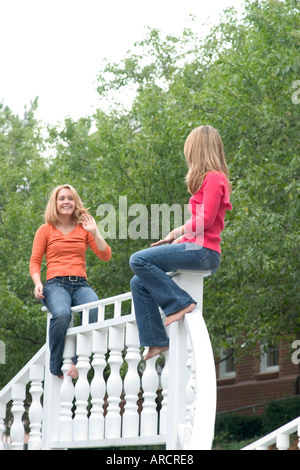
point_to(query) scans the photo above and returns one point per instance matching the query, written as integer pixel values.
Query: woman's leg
(82, 293)
(155, 288)
(151, 266)
(58, 301)
(148, 317)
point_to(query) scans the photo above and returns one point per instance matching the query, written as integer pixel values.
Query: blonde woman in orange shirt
(63, 239)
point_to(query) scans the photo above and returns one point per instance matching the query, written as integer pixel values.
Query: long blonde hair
(51, 215)
(204, 152)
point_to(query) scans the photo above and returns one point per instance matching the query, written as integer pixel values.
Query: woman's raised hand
(88, 223)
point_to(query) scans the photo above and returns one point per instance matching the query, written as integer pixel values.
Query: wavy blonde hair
(51, 215)
(204, 152)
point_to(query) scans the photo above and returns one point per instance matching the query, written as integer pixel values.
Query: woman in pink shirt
(194, 246)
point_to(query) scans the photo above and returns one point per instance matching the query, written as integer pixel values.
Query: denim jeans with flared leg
(152, 287)
(61, 294)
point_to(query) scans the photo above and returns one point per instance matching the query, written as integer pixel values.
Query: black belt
(73, 278)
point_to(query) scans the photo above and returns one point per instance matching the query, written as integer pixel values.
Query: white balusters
(149, 415)
(85, 316)
(99, 348)
(36, 410)
(2, 427)
(283, 441)
(17, 429)
(82, 388)
(187, 407)
(114, 382)
(280, 437)
(65, 425)
(131, 382)
(164, 403)
(117, 308)
(101, 312)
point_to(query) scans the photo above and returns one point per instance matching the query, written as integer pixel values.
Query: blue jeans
(152, 288)
(62, 293)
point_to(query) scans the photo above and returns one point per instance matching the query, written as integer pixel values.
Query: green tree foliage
(255, 113)
(22, 178)
(238, 79)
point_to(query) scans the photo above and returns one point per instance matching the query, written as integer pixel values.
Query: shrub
(278, 413)
(238, 427)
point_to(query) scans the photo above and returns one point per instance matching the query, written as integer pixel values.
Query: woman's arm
(172, 237)
(38, 251)
(89, 224)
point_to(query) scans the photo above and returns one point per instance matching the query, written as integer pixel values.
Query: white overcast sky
(53, 48)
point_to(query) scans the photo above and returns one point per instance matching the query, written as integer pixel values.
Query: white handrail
(23, 376)
(280, 437)
(15, 391)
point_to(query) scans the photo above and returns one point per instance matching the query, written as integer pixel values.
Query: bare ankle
(180, 314)
(154, 351)
(73, 372)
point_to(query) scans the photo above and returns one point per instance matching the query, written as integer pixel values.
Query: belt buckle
(73, 278)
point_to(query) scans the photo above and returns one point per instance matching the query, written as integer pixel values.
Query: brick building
(257, 379)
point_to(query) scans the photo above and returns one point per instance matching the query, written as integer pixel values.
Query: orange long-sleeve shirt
(65, 254)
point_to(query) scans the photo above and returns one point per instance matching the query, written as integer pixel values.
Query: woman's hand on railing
(173, 237)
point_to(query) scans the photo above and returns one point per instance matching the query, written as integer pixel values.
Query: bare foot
(154, 351)
(73, 372)
(178, 315)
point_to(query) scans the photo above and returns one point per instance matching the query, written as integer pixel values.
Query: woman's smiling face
(65, 202)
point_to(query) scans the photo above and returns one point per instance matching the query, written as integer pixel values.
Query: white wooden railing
(118, 398)
(280, 437)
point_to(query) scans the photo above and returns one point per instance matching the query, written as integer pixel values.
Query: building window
(269, 359)
(227, 364)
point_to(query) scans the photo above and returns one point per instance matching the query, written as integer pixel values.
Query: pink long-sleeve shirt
(208, 208)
